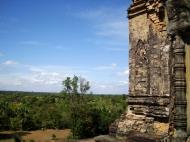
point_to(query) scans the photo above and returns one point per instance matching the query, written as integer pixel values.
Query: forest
(86, 115)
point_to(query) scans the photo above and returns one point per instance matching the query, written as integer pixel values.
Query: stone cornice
(137, 8)
(153, 8)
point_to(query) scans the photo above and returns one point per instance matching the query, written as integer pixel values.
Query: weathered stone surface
(155, 101)
(154, 111)
(149, 89)
(187, 61)
(148, 56)
(107, 138)
(179, 16)
(159, 71)
(188, 139)
(179, 88)
(142, 137)
(179, 136)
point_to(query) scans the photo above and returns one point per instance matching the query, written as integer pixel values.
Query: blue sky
(44, 41)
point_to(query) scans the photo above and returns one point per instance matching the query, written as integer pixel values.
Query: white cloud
(35, 78)
(52, 75)
(120, 87)
(10, 62)
(110, 24)
(45, 77)
(30, 78)
(123, 82)
(49, 78)
(114, 30)
(11, 79)
(25, 83)
(106, 67)
(103, 86)
(33, 68)
(124, 73)
(114, 65)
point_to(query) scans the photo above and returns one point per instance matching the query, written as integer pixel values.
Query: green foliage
(87, 115)
(76, 88)
(90, 116)
(67, 85)
(5, 113)
(94, 119)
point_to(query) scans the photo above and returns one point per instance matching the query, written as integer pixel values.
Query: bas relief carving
(141, 53)
(141, 68)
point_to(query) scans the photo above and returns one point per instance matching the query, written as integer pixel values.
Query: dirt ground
(46, 135)
(43, 136)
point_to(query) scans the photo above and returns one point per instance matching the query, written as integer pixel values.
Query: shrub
(53, 137)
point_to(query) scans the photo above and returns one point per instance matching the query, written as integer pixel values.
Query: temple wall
(149, 100)
(138, 29)
(159, 70)
(149, 78)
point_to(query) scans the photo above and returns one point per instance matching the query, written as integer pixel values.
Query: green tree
(67, 85)
(76, 88)
(5, 113)
(21, 118)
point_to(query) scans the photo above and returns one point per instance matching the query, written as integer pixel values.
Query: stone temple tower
(159, 90)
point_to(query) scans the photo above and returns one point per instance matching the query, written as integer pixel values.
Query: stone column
(179, 28)
(179, 86)
(187, 60)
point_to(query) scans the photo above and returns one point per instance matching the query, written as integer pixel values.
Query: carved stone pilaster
(178, 12)
(179, 86)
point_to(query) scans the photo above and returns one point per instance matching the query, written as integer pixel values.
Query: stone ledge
(132, 136)
(107, 138)
(142, 137)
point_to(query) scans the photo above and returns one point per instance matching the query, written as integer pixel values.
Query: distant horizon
(44, 41)
(54, 92)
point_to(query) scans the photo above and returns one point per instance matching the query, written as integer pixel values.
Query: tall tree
(76, 88)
